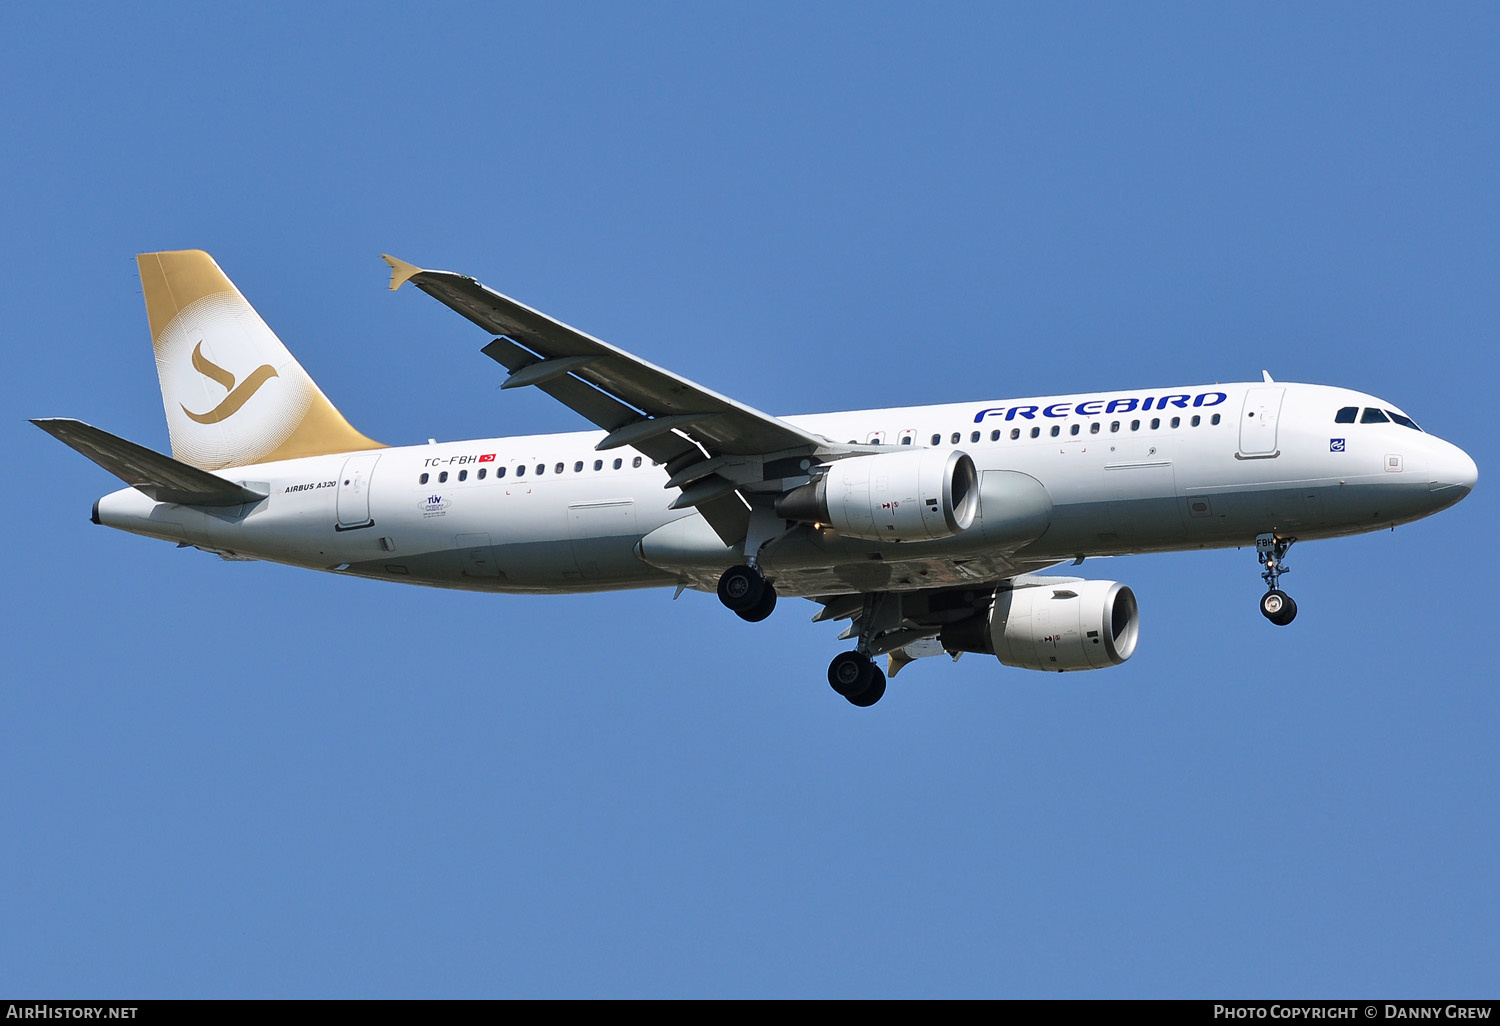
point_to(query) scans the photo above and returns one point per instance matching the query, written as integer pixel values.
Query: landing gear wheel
(870, 695)
(850, 674)
(1278, 607)
(762, 609)
(742, 588)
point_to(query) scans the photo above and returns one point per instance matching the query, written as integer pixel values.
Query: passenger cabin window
(1015, 433)
(1155, 423)
(1075, 429)
(1373, 416)
(521, 470)
(974, 437)
(1197, 420)
(619, 464)
(1135, 425)
(423, 479)
(1094, 428)
(1346, 415)
(1056, 430)
(598, 464)
(995, 435)
(463, 475)
(482, 472)
(1215, 419)
(499, 472)
(1036, 432)
(956, 437)
(636, 462)
(541, 468)
(558, 469)
(1114, 425)
(937, 439)
(578, 467)
(1176, 422)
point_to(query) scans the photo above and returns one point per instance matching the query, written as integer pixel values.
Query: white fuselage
(1062, 477)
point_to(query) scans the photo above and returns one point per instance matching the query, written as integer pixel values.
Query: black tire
(763, 608)
(851, 673)
(870, 695)
(1278, 607)
(741, 587)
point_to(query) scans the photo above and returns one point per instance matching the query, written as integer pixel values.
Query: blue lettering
(1057, 410)
(1179, 401)
(1203, 399)
(1029, 412)
(985, 413)
(1120, 406)
(1092, 408)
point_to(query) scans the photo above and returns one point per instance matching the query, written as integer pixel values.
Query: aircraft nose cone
(1453, 474)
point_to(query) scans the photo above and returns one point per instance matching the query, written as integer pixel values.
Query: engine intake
(920, 495)
(1070, 625)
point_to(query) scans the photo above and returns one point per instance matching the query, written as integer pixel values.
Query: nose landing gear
(1275, 605)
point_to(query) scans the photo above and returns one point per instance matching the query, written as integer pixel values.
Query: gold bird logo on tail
(237, 397)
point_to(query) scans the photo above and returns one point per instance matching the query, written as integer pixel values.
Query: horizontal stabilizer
(160, 477)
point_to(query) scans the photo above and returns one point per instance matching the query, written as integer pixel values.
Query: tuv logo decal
(237, 397)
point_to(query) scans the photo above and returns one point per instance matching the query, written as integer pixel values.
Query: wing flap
(160, 477)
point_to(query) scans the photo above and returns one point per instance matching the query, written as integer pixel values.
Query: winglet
(401, 271)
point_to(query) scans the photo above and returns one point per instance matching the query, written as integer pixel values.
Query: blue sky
(245, 780)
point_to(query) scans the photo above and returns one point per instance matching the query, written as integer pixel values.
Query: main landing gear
(1275, 605)
(857, 678)
(854, 675)
(745, 592)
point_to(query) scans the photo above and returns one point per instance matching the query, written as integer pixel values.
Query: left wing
(715, 449)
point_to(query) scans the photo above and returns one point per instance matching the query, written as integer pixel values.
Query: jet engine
(1068, 625)
(919, 495)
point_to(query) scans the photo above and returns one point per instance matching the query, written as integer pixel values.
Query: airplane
(926, 528)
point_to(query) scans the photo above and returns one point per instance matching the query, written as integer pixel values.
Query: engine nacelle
(1070, 625)
(919, 495)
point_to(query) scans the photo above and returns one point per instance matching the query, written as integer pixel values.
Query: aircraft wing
(700, 435)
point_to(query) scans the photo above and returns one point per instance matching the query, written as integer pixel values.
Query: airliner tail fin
(233, 393)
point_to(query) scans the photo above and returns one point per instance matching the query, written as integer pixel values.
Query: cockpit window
(1403, 421)
(1373, 416)
(1346, 415)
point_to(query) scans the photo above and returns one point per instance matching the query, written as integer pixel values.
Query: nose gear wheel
(1275, 605)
